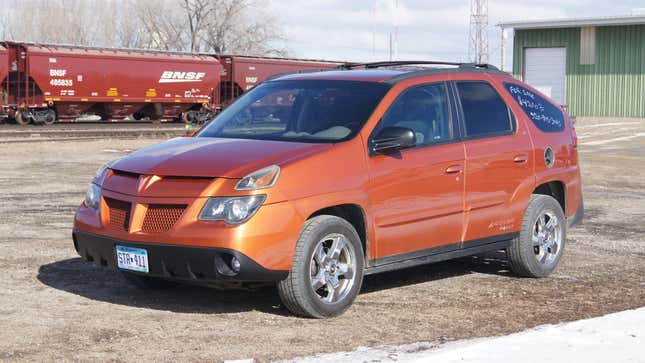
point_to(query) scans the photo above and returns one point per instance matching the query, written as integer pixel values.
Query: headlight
(232, 210)
(100, 174)
(93, 196)
(261, 179)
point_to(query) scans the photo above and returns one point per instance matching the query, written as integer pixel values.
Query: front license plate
(134, 259)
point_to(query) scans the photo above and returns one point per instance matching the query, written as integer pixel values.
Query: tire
(50, 117)
(138, 116)
(148, 282)
(537, 250)
(187, 117)
(315, 261)
(21, 118)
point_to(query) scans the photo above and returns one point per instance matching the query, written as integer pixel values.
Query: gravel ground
(54, 306)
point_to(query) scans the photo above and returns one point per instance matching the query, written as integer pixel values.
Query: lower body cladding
(187, 263)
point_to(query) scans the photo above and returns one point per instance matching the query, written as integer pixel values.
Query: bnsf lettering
(57, 72)
(176, 77)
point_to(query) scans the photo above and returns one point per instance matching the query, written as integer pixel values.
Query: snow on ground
(609, 141)
(618, 337)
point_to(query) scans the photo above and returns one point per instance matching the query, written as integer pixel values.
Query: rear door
(498, 163)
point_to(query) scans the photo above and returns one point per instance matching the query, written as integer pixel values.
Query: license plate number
(134, 259)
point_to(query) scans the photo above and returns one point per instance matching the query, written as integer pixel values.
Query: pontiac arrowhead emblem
(145, 181)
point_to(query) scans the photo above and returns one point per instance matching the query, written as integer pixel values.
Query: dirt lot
(54, 306)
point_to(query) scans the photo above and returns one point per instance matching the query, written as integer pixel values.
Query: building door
(545, 69)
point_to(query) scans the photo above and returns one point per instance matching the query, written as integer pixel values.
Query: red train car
(51, 82)
(4, 72)
(241, 73)
(44, 83)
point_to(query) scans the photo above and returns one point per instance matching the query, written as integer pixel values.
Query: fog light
(235, 264)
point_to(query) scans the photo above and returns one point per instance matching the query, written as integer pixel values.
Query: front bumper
(196, 264)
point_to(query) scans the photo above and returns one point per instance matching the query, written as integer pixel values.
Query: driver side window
(425, 110)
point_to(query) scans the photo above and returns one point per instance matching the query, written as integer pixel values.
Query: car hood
(212, 157)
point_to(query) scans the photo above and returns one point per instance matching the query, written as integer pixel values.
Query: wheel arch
(555, 189)
(352, 213)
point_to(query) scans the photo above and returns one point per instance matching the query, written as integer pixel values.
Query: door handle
(522, 158)
(454, 169)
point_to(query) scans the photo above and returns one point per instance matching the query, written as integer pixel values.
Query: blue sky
(431, 29)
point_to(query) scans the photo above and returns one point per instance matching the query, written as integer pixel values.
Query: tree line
(212, 26)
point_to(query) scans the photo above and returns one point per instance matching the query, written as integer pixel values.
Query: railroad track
(64, 132)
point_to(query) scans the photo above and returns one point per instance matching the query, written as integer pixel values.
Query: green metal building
(595, 66)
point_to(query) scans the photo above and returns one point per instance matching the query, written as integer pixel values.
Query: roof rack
(300, 71)
(372, 65)
(461, 68)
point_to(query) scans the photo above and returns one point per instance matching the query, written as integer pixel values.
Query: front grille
(126, 174)
(119, 213)
(161, 217)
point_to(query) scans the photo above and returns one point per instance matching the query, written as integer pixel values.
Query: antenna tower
(478, 45)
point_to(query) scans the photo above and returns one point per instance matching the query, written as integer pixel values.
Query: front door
(416, 194)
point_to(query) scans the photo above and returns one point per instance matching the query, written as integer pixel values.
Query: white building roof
(575, 22)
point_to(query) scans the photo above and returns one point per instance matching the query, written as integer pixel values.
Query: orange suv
(314, 180)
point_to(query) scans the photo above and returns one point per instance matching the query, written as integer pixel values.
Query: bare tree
(232, 26)
(239, 26)
(197, 12)
(163, 28)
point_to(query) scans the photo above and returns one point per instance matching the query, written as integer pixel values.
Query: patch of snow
(621, 130)
(583, 127)
(609, 141)
(618, 337)
(117, 151)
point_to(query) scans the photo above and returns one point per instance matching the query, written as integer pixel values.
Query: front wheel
(536, 252)
(327, 270)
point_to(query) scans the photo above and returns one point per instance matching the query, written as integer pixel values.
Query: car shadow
(490, 263)
(85, 279)
(88, 280)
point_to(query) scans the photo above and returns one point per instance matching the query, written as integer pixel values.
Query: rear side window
(544, 115)
(485, 113)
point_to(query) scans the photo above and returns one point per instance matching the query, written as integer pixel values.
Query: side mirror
(393, 138)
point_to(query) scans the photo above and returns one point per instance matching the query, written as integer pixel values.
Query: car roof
(392, 73)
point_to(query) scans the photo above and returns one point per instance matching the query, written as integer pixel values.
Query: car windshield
(303, 111)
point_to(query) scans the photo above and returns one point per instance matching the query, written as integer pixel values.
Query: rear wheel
(536, 252)
(327, 270)
(148, 282)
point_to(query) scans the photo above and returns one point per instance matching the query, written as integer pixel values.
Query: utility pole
(374, 31)
(503, 50)
(396, 29)
(478, 45)
(394, 33)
